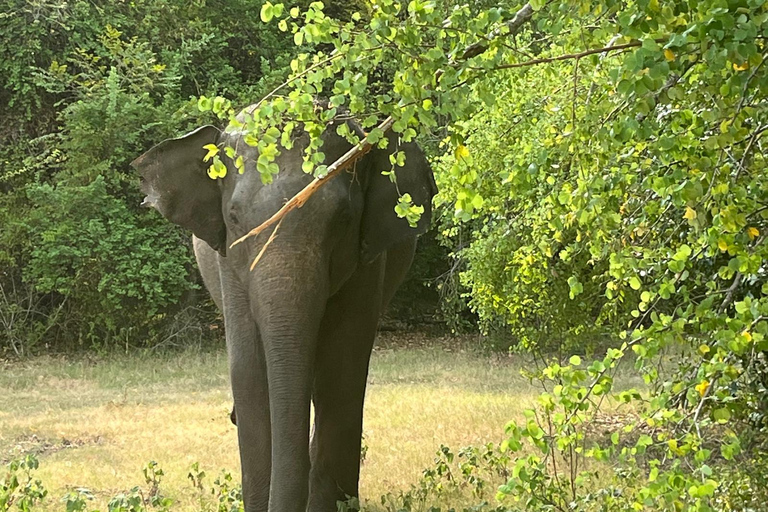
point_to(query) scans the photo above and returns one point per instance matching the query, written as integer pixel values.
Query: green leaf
(721, 415)
(217, 169)
(375, 135)
(575, 286)
(267, 12)
(204, 104)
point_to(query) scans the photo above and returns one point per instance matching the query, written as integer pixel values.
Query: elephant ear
(381, 228)
(175, 179)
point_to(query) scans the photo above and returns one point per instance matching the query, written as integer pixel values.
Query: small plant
(18, 488)
(228, 495)
(196, 476)
(152, 476)
(132, 501)
(136, 500)
(77, 500)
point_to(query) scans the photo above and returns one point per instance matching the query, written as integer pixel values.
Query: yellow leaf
(702, 387)
(752, 232)
(747, 335)
(741, 67)
(669, 54)
(722, 245)
(213, 149)
(461, 152)
(704, 348)
(690, 213)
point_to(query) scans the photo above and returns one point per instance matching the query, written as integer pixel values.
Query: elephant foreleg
(248, 374)
(341, 370)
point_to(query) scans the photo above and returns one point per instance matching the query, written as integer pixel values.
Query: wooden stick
(263, 249)
(297, 201)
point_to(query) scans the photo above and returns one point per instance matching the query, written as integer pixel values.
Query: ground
(95, 422)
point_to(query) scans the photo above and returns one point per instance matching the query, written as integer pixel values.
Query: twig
(752, 139)
(695, 420)
(599, 65)
(730, 291)
(575, 91)
(672, 81)
(746, 86)
(250, 110)
(569, 56)
(297, 201)
(269, 241)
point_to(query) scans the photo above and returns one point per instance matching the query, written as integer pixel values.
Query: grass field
(95, 422)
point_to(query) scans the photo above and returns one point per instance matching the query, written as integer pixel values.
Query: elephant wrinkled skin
(300, 326)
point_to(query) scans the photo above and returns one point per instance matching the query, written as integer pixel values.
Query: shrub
(119, 272)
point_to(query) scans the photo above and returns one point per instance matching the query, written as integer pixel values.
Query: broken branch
(263, 249)
(512, 26)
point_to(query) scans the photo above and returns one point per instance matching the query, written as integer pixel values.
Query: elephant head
(301, 325)
(175, 180)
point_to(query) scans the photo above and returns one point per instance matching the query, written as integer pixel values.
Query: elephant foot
(325, 495)
(233, 417)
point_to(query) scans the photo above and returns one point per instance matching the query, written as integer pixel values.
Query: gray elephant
(299, 327)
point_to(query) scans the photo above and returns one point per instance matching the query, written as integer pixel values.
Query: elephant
(299, 326)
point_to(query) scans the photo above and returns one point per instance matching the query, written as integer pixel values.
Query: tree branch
(513, 25)
(730, 291)
(569, 56)
(354, 154)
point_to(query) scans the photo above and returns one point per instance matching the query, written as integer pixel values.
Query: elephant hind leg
(208, 263)
(341, 369)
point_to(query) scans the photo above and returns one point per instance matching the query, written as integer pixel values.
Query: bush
(119, 272)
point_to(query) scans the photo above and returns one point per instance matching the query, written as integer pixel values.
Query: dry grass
(95, 423)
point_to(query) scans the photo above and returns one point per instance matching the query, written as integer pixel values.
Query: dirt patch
(34, 445)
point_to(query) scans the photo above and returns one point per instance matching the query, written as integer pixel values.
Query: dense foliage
(87, 87)
(609, 156)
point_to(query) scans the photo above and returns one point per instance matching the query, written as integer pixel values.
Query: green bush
(610, 156)
(119, 271)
